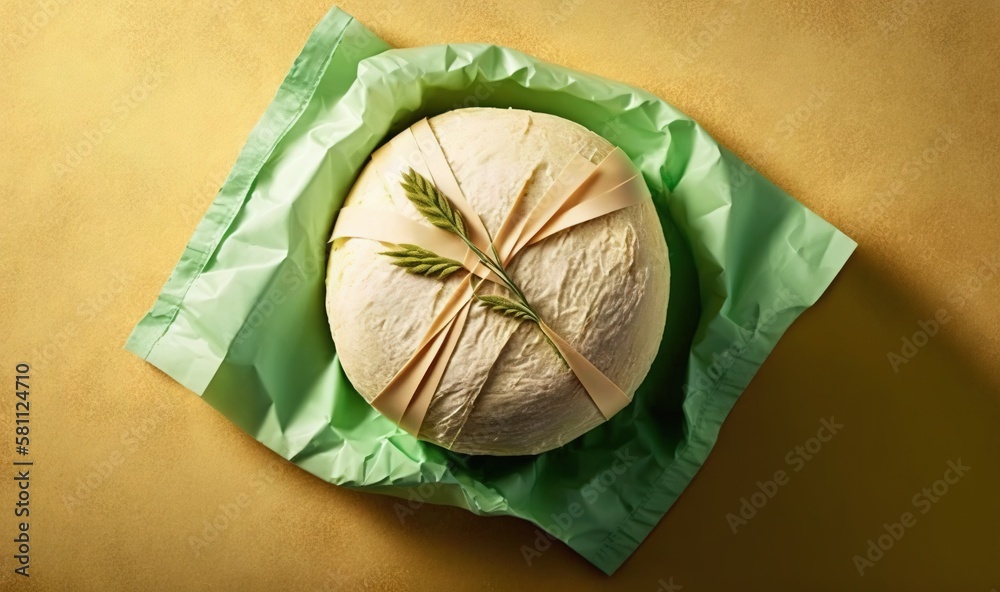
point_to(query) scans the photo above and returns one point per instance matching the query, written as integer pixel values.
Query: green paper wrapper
(241, 321)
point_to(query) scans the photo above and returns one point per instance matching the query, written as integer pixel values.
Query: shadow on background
(900, 430)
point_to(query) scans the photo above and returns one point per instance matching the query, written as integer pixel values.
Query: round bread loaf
(602, 285)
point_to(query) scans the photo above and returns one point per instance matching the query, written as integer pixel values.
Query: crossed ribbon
(581, 192)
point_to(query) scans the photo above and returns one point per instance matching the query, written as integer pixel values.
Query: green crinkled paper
(241, 321)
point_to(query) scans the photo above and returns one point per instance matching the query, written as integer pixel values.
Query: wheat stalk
(419, 261)
(432, 203)
(507, 308)
(439, 211)
(519, 312)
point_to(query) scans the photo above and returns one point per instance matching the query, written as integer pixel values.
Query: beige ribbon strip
(395, 228)
(421, 375)
(569, 180)
(582, 191)
(444, 179)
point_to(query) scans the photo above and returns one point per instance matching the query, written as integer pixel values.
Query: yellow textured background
(822, 98)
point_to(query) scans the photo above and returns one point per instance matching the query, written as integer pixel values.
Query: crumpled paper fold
(241, 321)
